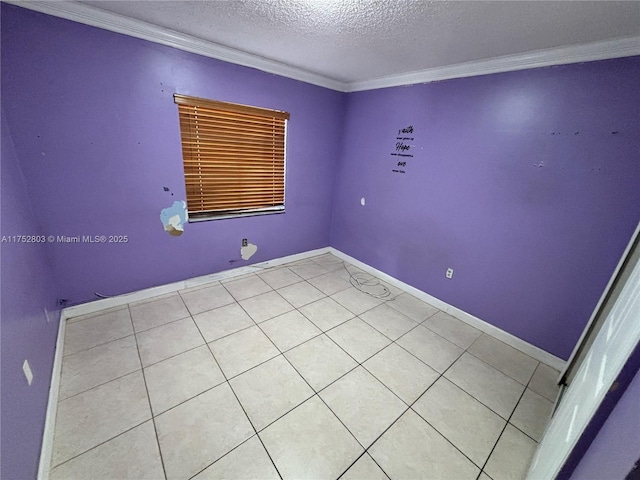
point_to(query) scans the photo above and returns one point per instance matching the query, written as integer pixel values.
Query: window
(234, 158)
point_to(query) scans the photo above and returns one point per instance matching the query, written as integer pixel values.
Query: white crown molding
(95, 17)
(77, 12)
(622, 47)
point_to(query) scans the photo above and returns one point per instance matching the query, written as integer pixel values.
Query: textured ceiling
(357, 40)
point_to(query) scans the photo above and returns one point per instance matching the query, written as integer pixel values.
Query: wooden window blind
(234, 157)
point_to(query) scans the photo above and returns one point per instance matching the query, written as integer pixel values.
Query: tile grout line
(366, 449)
(355, 360)
(101, 384)
(236, 397)
(520, 399)
(255, 435)
(281, 351)
(282, 286)
(500, 371)
(230, 386)
(175, 354)
(100, 444)
(139, 332)
(153, 418)
(304, 304)
(432, 426)
(365, 453)
(92, 316)
(477, 399)
(226, 380)
(58, 401)
(119, 434)
(198, 288)
(410, 407)
(441, 375)
(508, 423)
(526, 386)
(461, 388)
(272, 291)
(187, 399)
(96, 345)
(318, 327)
(135, 333)
(353, 463)
(306, 400)
(297, 308)
(317, 393)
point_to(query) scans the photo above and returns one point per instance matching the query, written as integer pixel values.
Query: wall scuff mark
(174, 218)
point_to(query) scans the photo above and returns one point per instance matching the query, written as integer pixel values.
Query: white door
(612, 346)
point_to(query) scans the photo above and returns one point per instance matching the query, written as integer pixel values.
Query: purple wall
(97, 132)
(617, 446)
(26, 288)
(90, 139)
(525, 183)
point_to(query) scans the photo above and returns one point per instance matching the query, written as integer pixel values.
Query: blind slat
(231, 123)
(234, 169)
(236, 204)
(257, 180)
(240, 137)
(230, 175)
(238, 193)
(235, 162)
(231, 107)
(230, 150)
(222, 148)
(221, 113)
(238, 129)
(204, 125)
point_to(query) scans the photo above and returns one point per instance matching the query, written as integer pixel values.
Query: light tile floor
(294, 373)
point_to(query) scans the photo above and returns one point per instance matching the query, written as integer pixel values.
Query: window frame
(234, 109)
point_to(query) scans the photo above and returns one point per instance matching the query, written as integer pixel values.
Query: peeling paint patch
(248, 251)
(174, 218)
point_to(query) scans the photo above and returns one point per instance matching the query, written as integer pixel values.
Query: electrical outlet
(244, 242)
(27, 372)
(449, 273)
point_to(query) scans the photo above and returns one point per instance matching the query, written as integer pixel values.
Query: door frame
(569, 435)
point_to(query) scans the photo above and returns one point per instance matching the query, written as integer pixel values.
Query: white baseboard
(517, 343)
(46, 451)
(511, 340)
(120, 300)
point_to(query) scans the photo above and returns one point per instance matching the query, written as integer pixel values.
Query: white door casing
(612, 346)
